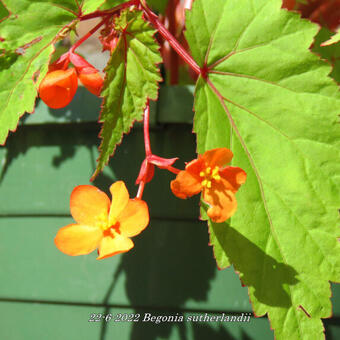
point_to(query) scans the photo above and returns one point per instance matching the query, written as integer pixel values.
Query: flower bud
(91, 79)
(146, 172)
(88, 75)
(58, 88)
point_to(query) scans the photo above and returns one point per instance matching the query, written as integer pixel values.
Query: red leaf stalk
(152, 17)
(88, 34)
(146, 130)
(173, 56)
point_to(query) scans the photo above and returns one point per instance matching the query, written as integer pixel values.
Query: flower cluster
(60, 84)
(108, 226)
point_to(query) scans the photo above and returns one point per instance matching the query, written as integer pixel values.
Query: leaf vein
(233, 51)
(232, 74)
(212, 38)
(301, 224)
(289, 139)
(252, 162)
(24, 73)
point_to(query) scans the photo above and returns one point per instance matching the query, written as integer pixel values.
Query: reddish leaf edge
(332, 67)
(9, 13)
(52, 42)
(100, 169)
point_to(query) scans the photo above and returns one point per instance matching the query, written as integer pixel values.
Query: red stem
(87, 35)
(147, 147)
(140, 190)
(173, 170)
(148, 152)
(173, 56)
(146, 130)
(152, 17)
(109, 11)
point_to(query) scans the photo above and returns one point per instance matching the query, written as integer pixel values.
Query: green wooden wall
(45, 294)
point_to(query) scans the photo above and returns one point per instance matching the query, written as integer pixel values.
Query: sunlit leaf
(270, 100)
(26, 46)
(108, 4)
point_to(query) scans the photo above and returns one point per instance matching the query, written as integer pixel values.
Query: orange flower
(91, 79)
(218, 182)
(58, 88)
(102, 224)
(60, 84)
(88, 75)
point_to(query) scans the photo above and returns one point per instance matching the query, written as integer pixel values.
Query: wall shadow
(332, 328)
(87, 113)
(65, 137)
(170, 265)
(84, 107)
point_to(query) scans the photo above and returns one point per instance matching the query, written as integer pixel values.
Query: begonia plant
(266, 120)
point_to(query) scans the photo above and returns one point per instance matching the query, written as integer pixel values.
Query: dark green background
(45, 294)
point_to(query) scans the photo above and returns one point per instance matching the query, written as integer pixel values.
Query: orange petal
(113, 245)
(185, 185)
(120, 199)
(234, 175)
(217, 157)
(92, 80)
(76, 239)
(89, 205)
(222, 201)
(58, 88)
(195, 167)
(134, 218)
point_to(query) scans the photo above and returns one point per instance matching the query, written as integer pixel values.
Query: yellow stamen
(216, 178)
(104, 226)
(102, 222)
(208, 175)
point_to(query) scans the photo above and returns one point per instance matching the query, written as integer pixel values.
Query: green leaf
(28, 36)
(132, 77)
(158, 5)
(269, 99)
(108, 4)
(216, 238)
(330, 51)
(89, 6)
(333, 40)
(3, 11)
